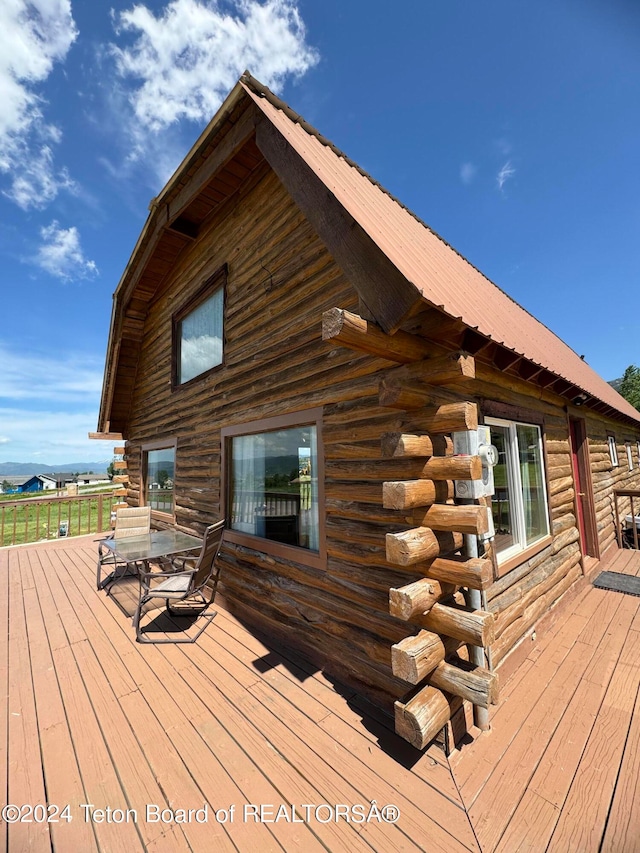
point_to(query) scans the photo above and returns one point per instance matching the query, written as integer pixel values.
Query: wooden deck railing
(628, 536)
(42, 518)
(248, 505)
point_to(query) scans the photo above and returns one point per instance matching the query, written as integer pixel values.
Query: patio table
(134, 550)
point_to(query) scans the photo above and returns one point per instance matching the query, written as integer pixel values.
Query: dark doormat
(618, 582)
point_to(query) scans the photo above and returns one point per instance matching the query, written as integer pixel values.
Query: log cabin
(416, 474)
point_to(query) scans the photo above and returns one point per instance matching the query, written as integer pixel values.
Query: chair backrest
(208, 553)
(132, 521)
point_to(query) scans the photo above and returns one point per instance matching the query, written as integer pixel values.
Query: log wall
(281, 280)
(606, 477)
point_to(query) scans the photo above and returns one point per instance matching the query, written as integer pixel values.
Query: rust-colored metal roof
(443, 277)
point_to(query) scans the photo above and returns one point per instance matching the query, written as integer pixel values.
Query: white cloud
(73, 377)
(467, 172)
(33, 37)
(51, 436)
(505, 174)
(184, 62)
(61, 255)
(36, 182)
(48, 405)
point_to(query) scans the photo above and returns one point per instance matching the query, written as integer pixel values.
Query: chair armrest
(152, 575)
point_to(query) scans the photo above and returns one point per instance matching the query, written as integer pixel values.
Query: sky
(512, 128)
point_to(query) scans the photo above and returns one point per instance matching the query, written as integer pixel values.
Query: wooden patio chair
(184, 583)
(130, 521)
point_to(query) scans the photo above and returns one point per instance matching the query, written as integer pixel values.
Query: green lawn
(35, 520)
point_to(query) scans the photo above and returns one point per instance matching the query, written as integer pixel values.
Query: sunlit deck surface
(235, 720)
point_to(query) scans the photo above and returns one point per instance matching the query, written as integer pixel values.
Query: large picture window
(274, 485)
(519, 505)
(198, 333)
(158, 475)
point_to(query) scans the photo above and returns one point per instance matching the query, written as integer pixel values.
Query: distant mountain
(28, 469)
(616, 383)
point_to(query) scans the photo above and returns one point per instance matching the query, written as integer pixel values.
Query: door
(584, 494)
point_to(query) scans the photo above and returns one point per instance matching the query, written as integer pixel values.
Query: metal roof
(444, 278)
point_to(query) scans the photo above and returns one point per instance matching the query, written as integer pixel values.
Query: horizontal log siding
(280, 281)
(523, 596)
(605, 477)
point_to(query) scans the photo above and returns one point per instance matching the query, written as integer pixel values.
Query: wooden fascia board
(111, 370)
(388, 295)
(105, 436)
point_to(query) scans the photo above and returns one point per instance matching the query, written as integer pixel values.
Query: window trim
(627, 447)
(613, 450)
(145, 447)
(210, 286)
(510, 558)
(292, 553)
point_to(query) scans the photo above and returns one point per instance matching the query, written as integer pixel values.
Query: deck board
(26, 781)
(559, 770)
(622, 834)
(92, 717)
(60, 766)
(593, 786)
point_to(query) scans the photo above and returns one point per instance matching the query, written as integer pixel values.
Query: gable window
(613, 450)
(519, 505)
(274, 476)
(158, 475)
(198, 332)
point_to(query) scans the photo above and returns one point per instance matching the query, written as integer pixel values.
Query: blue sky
(512, 128)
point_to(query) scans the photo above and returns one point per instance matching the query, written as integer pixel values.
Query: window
(629, 456)
(613, 450)
(198, 332)
(158, 474)
(519, 505)
(273, 470)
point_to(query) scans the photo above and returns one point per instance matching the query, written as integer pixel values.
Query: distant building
(91, 479)
(46, 482)
(13, 483)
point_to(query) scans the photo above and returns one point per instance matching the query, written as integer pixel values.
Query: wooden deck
(234, 723)
(93, 717)
(560, 769)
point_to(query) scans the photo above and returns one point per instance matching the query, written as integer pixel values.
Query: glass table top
(159, 543)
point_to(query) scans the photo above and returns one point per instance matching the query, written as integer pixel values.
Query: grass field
(28, 519)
